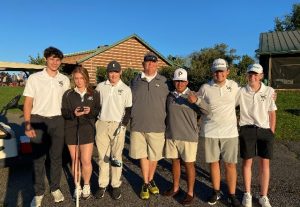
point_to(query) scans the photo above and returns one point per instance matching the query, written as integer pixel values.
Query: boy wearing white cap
(181, 135)
(257, 122)
(219, 128)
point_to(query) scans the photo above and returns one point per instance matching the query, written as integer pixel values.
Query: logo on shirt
(263, 97)
(120, 91)
(61, 83)
(228, 88)
(156, 85)
(90, 98)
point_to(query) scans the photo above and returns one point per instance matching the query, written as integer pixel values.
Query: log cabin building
(129, 52)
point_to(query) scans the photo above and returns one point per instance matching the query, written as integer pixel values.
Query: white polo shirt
(113, 100)
(46, 92)
(220, 120)
(255, 106)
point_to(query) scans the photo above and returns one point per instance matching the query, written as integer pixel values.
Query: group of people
(163, 123)
(12, 80)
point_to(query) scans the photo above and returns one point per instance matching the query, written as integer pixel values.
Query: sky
(172, 27)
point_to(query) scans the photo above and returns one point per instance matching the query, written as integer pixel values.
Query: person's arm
(272, 120)
(66, 109)
(29, 131)
(96, 110)
(126, 117)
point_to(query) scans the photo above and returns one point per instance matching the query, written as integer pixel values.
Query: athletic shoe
(214, 198)
(116, 193)
(233, 201)
(153, 187)
(58, 196)
(264, 201)
(75, 193)
(86, 191)
(145, 192)
(37, 201)
(100, 193)
(247, 200)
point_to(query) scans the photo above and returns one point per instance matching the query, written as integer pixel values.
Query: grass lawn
(7, 93)
(288, 113)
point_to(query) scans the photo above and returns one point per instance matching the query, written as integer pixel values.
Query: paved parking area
(16, 185)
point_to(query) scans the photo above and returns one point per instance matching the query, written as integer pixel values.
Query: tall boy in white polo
(257, 127)
(115, 101)
(219, 128)
(44, 124)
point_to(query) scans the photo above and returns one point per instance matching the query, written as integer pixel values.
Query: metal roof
(287, 42)
(11, 66)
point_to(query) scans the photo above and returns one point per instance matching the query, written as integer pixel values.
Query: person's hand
(192, 98)
(86, 110)
(119, 130)
(78, 111)
(29, 131)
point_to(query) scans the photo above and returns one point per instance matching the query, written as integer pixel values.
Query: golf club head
(115, 163)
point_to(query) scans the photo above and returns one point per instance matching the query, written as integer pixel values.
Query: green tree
(239, 73)
(290, 22)
(244, 63)
(201, 63)
(37, 60)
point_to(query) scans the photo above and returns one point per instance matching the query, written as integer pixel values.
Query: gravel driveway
(16, 186)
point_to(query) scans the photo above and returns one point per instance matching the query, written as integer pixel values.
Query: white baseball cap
(256, 68)
(180, 74)
(219, 64)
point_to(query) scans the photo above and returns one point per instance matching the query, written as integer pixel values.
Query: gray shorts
(224, 148)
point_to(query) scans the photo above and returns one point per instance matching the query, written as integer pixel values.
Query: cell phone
(81, 109)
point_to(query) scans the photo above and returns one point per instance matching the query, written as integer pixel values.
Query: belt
(46, 117)
(250, 126)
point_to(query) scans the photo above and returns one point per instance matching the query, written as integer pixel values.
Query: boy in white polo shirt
(219, 128)
(116, 102)
(44, 124)
(257, 122)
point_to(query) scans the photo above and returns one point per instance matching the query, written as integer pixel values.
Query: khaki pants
(104, 136)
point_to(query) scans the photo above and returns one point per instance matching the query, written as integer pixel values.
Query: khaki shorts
(224, 148)
(187, 151)
(146, 145)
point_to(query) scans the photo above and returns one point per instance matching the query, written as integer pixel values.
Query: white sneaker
(86, 191)
(58, 196)
(247, 200)
(37, 201)
(264, 201)
(79, 193)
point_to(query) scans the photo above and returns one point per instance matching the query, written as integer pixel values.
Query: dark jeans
(48, 142)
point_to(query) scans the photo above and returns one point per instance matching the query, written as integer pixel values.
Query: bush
(127, 75)
(101, 74)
